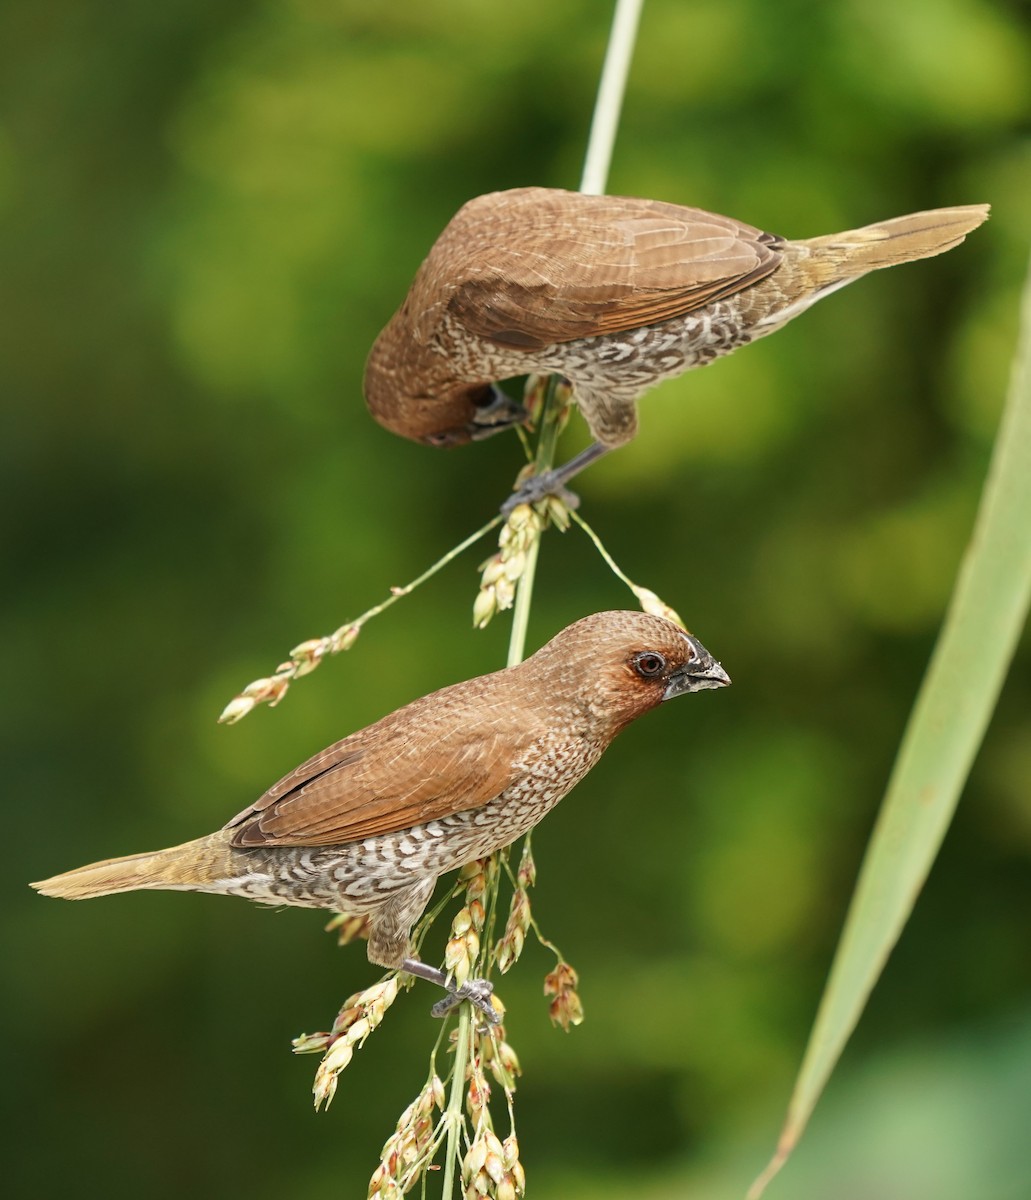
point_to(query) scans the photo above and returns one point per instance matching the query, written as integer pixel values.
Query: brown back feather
(534, 266)
(442, 754)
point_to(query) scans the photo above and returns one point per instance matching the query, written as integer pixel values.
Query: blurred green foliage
(206, 214)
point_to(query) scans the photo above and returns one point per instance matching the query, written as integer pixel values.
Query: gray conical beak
(499, 412)
(702, 672)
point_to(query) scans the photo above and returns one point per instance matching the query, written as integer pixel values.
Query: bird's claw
(538, 487)
(477, 992)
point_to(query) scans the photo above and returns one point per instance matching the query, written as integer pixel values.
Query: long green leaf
(986, 614)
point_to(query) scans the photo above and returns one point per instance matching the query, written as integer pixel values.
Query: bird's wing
(422, 762)
(539, 266)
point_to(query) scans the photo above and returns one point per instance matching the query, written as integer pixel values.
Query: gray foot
(537, 487)
(553, 483)
(477, 992)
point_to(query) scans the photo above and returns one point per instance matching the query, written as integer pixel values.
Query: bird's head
(615, 666)
(412, 392)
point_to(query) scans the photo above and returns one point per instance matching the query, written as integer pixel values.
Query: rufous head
(615, 666)
(414, 395)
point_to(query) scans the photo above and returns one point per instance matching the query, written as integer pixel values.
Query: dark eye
(649, 664)
(449, 437)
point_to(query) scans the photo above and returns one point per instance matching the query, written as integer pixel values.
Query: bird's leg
(390, 931)
(552, 483)
(476, 991)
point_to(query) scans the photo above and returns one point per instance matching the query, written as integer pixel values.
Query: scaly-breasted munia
(615, 294)
(368, 825)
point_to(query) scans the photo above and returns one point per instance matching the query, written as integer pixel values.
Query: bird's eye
(447, 438)
(649, 664)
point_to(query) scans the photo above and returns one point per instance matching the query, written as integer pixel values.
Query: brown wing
(535, 266)
(440, 755)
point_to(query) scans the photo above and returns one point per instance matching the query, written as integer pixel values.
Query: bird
(366, 826)
(613, 293)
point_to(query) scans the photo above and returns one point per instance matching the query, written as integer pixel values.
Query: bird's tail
(194, 866)
(848, 255)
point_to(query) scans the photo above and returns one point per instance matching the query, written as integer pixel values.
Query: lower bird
(367, 826)
(616, 294)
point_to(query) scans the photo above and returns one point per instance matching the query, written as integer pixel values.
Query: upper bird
(614, 293)
(368, 825)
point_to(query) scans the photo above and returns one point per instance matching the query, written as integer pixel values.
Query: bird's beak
(500, 412)
(702, 672)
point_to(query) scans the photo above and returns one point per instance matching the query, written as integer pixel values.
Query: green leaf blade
(986, 614)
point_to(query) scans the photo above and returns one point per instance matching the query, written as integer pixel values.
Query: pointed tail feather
(180, 868)
(902, 239)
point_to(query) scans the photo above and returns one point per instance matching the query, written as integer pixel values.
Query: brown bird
(368, 825)
(613, 293)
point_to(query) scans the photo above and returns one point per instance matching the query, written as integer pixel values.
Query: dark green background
(207, 211)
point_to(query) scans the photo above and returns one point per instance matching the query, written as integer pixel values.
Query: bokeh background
(206, 214)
